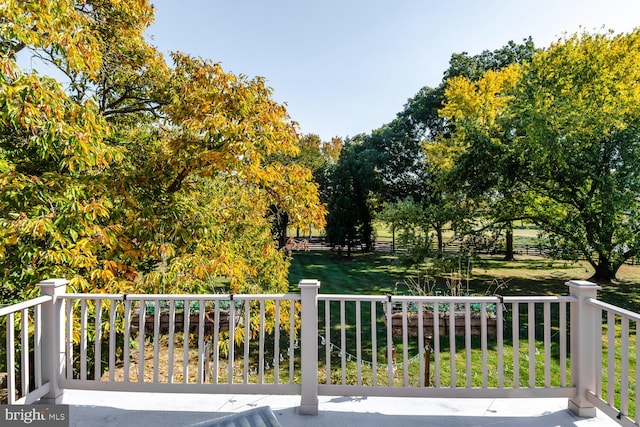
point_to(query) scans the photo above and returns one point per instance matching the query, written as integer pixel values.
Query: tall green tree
(349, 218)
(480, 167)
(576, 114)
(479, 148)
(446, 194)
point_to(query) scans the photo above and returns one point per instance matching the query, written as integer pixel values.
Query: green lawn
(378, 274)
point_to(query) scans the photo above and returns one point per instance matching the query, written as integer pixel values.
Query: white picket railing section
(164, 358)
(400, 368)
(320, 344)
(26, 319)
(618, 326)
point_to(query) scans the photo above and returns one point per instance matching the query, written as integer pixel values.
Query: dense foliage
(558, 139)
(548, 136)
(122, 171)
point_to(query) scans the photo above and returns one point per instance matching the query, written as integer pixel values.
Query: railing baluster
(390, 348)
(624, 367)
(467, 342)
(611, 325)
(232, 334)
(142, 309)
(24, 352)
(405, 345)
(97, 349)
(201, 349)
(598, 355)
(186, 317)
(261, 359)
(563, 347)
(69, 338)
(547, 344)
(83, 339)
(11, 359)
(247, 325)
(37, 341)
(515, 334)
(358, 344)
(156, 340)
(127, 338)
(483, 342)
(327, 340)
(531, 327)
(421, 356)
(343, 342)
(216, 349)
(276, 344)
(292, 347)
(112, 339)
(171, 344)
(500, 342)
(452, 343)
(374, 344)
(436, 342)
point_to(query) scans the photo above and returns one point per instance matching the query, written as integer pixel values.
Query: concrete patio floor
(101, 409)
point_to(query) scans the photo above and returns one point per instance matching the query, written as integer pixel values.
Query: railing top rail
(181, 297)
(615, 309)
(324, 297)
(25, 304)
(540, 298)
(347, 297)
(446, 299)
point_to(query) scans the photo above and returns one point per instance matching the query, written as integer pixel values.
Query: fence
(320, 344)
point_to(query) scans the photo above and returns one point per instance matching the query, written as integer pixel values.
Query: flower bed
(444, 322)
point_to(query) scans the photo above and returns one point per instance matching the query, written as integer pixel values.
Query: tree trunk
(605, 270)
(393, 239)
(440, 241)
(509, 256)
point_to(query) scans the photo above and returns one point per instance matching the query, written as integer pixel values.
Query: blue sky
(345, 67)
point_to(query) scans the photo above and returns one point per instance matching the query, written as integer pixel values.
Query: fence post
(53, 348)
(309, 346)
(584, 328)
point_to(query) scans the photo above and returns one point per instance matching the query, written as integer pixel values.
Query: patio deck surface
(101, 409)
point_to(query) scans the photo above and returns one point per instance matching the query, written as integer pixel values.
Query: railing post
(309, 346)
(584, 329)
(53, 356)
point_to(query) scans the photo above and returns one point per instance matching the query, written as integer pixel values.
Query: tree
(138, 175)
(410, 227)
(478, 150)
(349, 216)
(469, 152)
(54, 204)
(576, 114)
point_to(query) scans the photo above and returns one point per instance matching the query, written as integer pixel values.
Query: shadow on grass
(379, 273)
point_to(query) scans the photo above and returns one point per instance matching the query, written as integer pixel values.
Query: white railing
(319, 344)
(470, 339)
(105, 349)
(26, 360)
(617, 366)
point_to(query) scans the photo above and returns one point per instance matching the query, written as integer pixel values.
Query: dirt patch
(162, 364)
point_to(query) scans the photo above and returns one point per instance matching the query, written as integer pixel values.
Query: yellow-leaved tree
(124, 173)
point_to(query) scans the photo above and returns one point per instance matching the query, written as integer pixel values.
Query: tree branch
(177, 182)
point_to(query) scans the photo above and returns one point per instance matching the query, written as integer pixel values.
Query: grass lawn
(378, 274)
